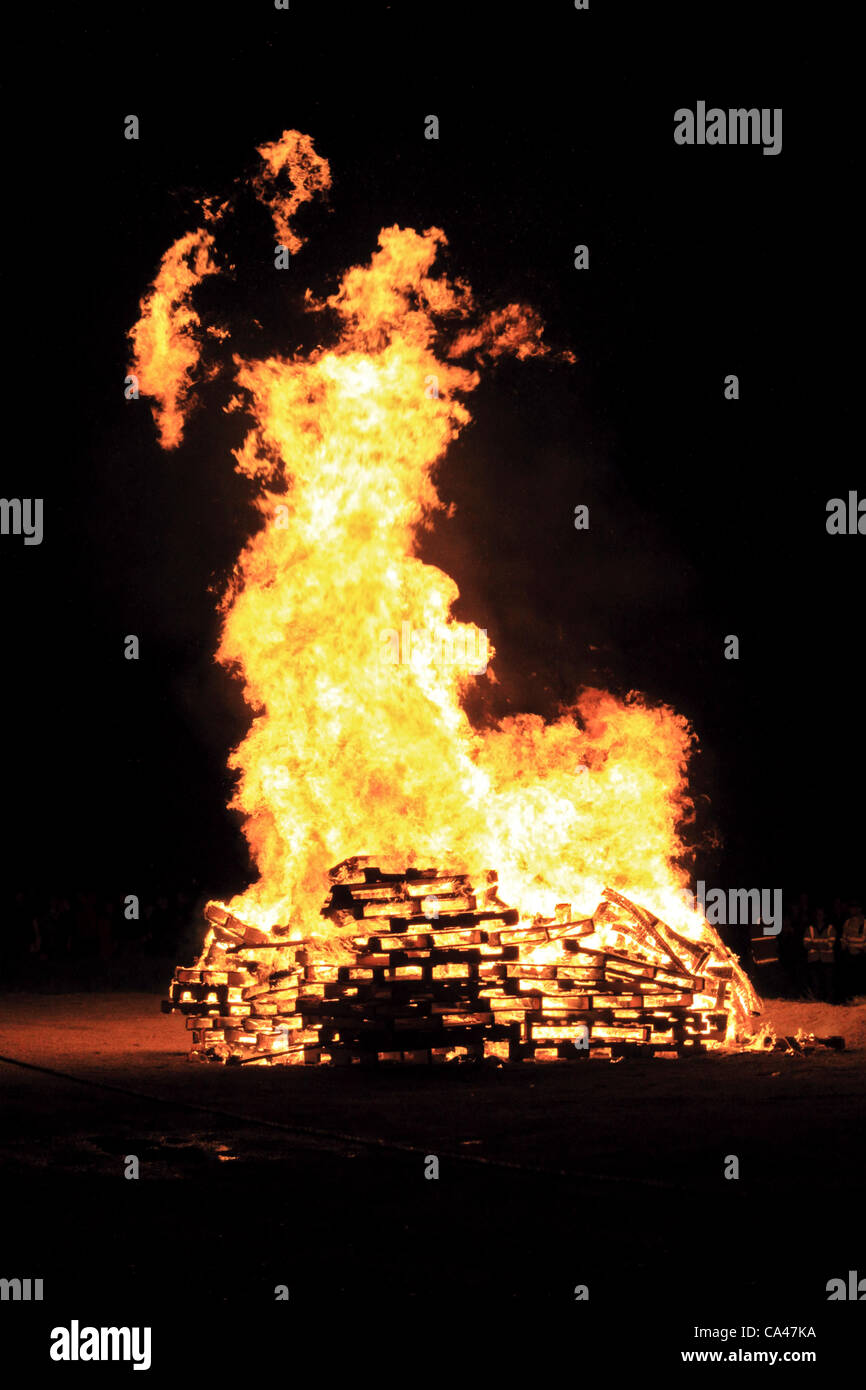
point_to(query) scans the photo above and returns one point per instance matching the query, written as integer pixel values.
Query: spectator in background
(104, 915)
(813, 941)
(53, 930)
(853, 956)
(19, 938)
(85, 936)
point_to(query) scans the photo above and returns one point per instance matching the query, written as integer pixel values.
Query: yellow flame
(354, 747)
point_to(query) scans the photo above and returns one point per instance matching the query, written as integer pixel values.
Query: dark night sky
(707, 517)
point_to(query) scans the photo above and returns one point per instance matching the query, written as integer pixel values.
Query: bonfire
(452, 935)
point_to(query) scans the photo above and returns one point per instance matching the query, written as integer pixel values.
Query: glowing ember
(353, 749)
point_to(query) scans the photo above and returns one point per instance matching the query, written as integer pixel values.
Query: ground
(608, 1176)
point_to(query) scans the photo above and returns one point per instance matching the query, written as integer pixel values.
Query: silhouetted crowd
(88, 936)
(820, 953)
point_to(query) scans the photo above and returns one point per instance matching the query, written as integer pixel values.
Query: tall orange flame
(165, 340)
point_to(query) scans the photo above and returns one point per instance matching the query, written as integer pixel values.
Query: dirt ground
(787, 1016)
(550, 1178)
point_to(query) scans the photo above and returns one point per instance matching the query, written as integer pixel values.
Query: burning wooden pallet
(433, 969)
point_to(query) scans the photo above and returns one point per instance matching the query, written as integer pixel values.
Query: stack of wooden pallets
(241, 1000)
(424, 966)
(426, 947)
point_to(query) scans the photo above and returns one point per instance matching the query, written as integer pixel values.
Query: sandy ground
(787, 1016)
(610, 1175)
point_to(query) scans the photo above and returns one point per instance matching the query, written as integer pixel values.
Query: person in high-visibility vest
(820, 943)
(854, 949)
(812, 946)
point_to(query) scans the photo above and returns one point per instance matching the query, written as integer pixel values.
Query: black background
(707, 516)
